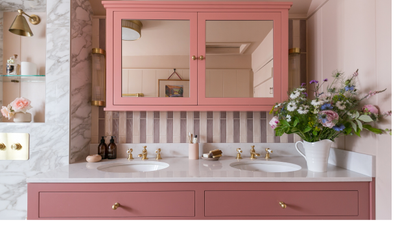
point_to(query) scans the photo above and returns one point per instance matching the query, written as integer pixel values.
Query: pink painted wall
(349, 35)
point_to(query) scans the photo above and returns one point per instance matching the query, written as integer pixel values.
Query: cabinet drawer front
(266, 203)
(132, 204)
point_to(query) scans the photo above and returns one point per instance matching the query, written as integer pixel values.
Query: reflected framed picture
(173, 88)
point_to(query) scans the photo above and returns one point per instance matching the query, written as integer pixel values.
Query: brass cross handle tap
(158, 156)
(144, 154)
(268, 152)
(130, 154)
(238, 156)
(253, 154)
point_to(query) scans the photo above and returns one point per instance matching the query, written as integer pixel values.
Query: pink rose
(7, 112)
(370, 109)
(21, 104)
(274, 122)
(328, 118)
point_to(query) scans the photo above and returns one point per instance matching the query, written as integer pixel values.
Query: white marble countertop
(182, 169)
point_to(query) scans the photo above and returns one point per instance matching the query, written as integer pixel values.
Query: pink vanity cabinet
(230, 56)
(187, 200)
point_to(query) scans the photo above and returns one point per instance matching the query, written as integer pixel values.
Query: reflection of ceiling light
(131, 29)
(20, 26)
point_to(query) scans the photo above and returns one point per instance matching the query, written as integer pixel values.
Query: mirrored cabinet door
(242, 54)
(153, 62)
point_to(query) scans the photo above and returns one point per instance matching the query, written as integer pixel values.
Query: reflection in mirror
(29, 81)
(239, 59)
(157, 64)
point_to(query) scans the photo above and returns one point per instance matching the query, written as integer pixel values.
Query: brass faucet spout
(144, 154)
(253, 153)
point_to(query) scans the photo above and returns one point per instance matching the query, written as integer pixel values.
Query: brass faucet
(130, 154)
(268, 151)
(238, 156)
(253, 154)
(158, 151)
(144, 154)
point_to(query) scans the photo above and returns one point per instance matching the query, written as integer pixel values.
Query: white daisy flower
(288, 118)
(277, 105)
(340, 105)
(291, 106)
(316, 103)
(295, 94)
(316, 111)
(301, 89)
(303, 109)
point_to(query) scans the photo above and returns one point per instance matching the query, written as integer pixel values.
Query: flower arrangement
(330, 114)
(18, 105)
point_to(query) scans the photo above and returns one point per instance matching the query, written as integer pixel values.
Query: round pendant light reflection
(131, 29)
(20, 26)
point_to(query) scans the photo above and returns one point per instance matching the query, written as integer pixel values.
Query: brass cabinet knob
(115, 206)
(201, 57)
(16, 146)
(2, 146)
(283, 205)
(194, 57)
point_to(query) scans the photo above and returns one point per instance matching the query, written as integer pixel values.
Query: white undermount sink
(133, 167)
(266, 166)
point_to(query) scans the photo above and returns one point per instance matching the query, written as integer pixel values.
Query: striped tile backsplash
(173, 127)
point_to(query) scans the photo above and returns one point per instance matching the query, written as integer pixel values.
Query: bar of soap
(93, 158)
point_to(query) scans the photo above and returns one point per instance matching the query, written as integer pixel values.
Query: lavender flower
(339, 127)
(326, 106)
(349, 88)
(325, 80)
(313, 81)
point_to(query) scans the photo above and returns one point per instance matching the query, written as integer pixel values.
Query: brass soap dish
(213, 155)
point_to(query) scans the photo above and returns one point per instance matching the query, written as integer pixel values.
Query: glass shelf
(22, 78)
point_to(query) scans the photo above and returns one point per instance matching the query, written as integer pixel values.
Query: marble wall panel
(49, 141)
(80, 89)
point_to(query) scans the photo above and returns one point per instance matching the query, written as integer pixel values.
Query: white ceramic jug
(316, 154)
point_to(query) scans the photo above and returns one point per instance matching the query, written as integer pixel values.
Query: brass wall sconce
(98, 77)
(20, 26)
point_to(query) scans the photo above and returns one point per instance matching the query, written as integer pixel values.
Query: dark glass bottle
(112, 149)
(103, 149)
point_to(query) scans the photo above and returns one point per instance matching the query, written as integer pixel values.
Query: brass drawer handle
(201, 57)
(194, 57)
(283, 205)
(115, 206)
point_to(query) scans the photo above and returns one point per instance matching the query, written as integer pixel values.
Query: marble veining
(49, 141)
(80, 93)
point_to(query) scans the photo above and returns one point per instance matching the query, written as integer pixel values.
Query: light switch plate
(14, 146)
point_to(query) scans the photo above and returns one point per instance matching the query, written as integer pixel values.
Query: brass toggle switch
(2, 146)
(16, 146)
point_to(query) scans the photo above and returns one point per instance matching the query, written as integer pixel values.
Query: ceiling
(299, 8)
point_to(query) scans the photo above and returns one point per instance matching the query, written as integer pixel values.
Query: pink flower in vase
(21, 104)
(370, 109)
(328, 118)
(274, 122)
(6, 111)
